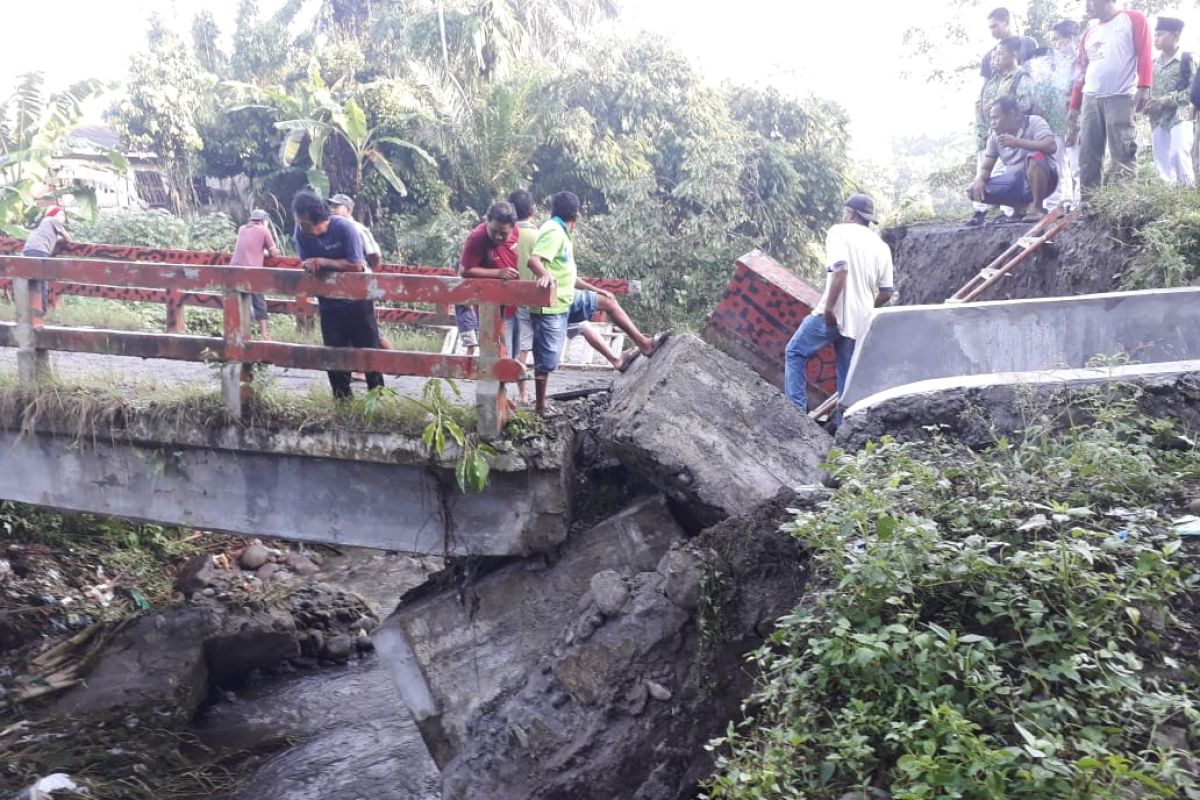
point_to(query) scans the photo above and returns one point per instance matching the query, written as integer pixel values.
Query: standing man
(332, 244)
(1117, 69)
(254, 239)
(527, 231)
(1024, 144)
(859, 266)
(1053, 76)
(1169, 108)
(491, 252)
(42, 240)
(1008, 80)
(1001, 27)
(342, 205)
(552, 263)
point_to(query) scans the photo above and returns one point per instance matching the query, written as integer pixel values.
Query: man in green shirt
(1169, 109)
(552, 263)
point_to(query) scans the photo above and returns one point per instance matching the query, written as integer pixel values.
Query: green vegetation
(428, 112)
(119, 315)
(1160, 225)
(1016, 622)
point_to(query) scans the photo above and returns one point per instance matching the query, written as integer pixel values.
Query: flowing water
(356, 740)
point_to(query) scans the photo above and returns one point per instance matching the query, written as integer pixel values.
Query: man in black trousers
(328, 243)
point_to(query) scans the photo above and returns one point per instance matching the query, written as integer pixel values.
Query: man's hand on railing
(313, 265)
(508, 274)
(546, 281)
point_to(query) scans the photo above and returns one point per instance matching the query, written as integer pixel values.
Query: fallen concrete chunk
(625, 712)
(455, 650)
(709, 432)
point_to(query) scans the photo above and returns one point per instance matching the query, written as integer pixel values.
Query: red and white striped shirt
(1115, 57)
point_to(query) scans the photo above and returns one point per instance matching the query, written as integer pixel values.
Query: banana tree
(312, 114)
(34, 125)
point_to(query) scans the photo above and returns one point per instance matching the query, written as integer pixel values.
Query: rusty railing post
(490, 396)
(235, 373)
(176, 313)
(33, 364)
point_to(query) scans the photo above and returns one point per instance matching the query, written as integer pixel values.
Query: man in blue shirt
(328, 243)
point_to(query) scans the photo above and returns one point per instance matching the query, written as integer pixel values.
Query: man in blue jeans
(859, 266)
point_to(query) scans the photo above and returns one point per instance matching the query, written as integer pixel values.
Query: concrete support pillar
(33, 364)
(489, 394)
(235, 374)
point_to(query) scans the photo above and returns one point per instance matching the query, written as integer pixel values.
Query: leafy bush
(985, 626)
(158, 228)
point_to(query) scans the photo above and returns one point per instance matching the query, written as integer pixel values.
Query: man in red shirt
(490, 252)
(254, 240)
(1114, 76)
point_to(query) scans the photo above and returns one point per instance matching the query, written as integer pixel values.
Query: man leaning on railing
(328, 243)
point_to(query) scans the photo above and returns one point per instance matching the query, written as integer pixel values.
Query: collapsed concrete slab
(710, 432)
(911, 344)
(623, 703)
(454, 648)
(975, 410)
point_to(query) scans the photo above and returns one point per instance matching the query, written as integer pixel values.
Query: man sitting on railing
(326, 243)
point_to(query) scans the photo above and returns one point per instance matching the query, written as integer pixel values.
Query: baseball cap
(862, 205)
(258, 215)
(342, 200)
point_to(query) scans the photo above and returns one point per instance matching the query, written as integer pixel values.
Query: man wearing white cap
(343, 206)
(254, 240)
(859, 266)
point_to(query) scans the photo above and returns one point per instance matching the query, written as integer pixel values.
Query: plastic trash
(1186, 526)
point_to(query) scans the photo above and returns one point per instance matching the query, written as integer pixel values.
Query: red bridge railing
(236, 351)
(303, 308)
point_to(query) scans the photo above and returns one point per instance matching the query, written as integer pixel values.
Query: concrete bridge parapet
(338, 486)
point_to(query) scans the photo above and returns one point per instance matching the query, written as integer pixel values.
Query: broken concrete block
(626, 712)
(457, 649)
(709, 432)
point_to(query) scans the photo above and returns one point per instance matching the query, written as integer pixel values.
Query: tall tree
(165, 97)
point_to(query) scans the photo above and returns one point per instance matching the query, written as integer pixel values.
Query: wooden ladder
(1044, 231)
(1025, 246)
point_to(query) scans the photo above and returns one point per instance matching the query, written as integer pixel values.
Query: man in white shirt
(859, 265)
(1116, 71)
(343, 206)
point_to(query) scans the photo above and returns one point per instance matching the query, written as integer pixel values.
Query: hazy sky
(850, 52)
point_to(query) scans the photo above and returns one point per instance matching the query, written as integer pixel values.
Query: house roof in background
(98, 136)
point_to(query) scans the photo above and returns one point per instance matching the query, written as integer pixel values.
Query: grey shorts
(258, 307)
(518, 332)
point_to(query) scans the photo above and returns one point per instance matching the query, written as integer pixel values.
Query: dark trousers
(350, 325)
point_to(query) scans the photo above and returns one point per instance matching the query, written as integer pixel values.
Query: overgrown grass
(1160, 222)
(123, 315)
(100, 406)
(1016, 622)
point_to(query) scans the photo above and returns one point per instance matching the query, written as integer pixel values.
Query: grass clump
(1012, 622)
(1161, 222)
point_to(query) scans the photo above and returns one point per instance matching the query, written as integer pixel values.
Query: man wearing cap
(1169, 109)
(342, 205)
(1025, 145)
(42, 240)
(254, 240)
(1116, 70)
(859, 266)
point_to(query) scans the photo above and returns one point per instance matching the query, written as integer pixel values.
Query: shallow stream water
(355, 739)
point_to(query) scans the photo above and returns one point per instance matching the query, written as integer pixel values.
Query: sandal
(658, 341)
